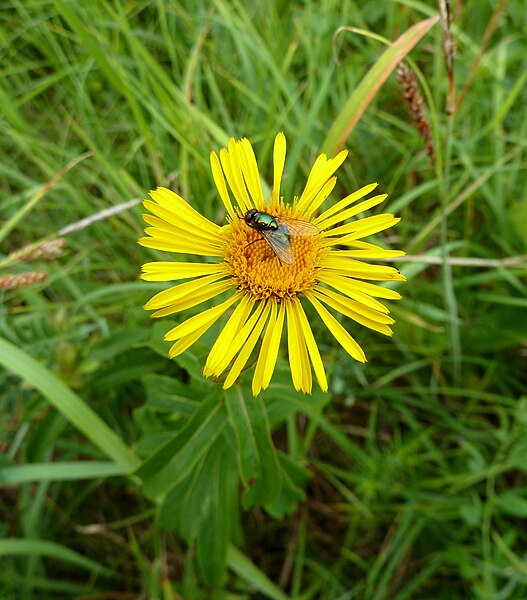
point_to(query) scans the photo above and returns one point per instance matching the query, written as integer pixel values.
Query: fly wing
(280, 245)
(296, 227)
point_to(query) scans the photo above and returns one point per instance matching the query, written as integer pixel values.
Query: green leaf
(215, 531)
(186, 504)
(500, 327)
(118, 342)
(70, 471)
(244, 568)
(471, 510)
(257, 457)
(169, 403)
(68, 403)
(204, 507)
(27, 547)
(130, 366)
(370, 84)
(513, 503)
(282, 401)
(166, 394)
(175, 459)
(294, 479)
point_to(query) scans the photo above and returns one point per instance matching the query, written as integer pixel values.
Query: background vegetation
(408, 480)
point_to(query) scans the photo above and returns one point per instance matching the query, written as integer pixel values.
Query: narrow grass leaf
(247, 570)
(70, 471)
(68, 403)
(364, 93)
(27, 547)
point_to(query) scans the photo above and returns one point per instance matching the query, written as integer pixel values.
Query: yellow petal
(182, 237)
(293, 350)
(182, 209)
(172, 271)
(340, 206)
(278, 164)
(219, 180)
(345, 285)
(360, 245)
(312, 347)
(180, 230)
(231, 167)
(268, 352)
(263, 355)
(298, 358)
(322, 170)
(362, 228)
(359, 313)
(207, 317)
(351, 212)
(170, 221)
(375, 252)
(326, 190)
(251, 174)
(186, 342)
(174, 293)
(361, 270)
(340, 334)
(194, 299)
(247, 347)
(377, 291)
(238, 341)
(307, 377)
(349, 305)
(318, 166)
(179, 246)
(224, 340)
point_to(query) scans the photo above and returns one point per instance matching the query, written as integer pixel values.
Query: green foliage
(124, 472)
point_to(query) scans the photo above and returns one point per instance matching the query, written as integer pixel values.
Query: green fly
(277, 231)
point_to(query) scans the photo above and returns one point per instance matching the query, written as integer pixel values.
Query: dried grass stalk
(415, 103)
(44, 251)
(11, 282)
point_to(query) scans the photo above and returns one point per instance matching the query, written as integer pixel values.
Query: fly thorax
(256, 268)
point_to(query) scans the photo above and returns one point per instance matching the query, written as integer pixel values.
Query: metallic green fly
(277, 231)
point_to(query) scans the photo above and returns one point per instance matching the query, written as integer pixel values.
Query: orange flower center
(256, 268)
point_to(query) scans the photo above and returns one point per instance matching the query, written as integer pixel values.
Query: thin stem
(519, 262)
(448, 283)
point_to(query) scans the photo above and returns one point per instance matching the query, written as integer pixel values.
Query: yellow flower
(266, 291)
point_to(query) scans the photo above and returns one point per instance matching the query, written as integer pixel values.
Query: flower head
(269, 255)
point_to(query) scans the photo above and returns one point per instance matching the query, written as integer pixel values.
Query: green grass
(408, 480)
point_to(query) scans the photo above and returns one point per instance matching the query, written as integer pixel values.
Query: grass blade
(68, 403)
(248, 571)
(19, 547)
(70, 471)
(364, 93)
